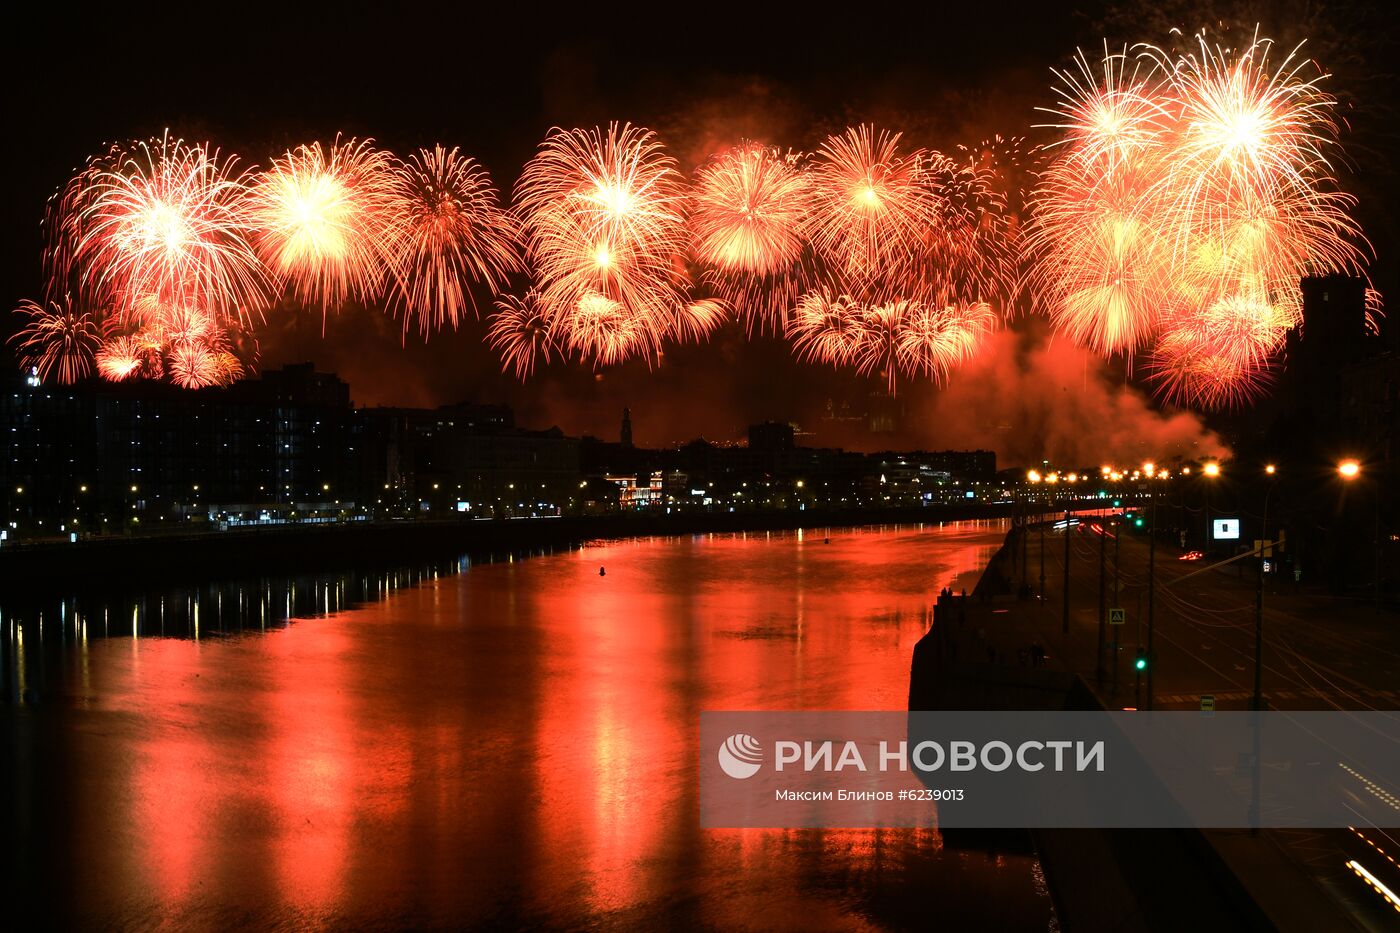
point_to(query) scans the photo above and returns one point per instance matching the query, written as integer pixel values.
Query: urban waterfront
(508, 743)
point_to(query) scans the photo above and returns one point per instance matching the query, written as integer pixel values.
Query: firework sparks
(522, 333)
(454, 234)
(120, 358)
(907, 337)
(750, 207)
(162, 219)
(605, 235)
(323, 221)
(58, 340)
(1188, 197)
(872, 212)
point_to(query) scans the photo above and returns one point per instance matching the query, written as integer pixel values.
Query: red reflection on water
(518, 745)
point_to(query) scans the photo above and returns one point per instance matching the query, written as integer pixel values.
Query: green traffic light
(1117, 502)
(1141, 664)
(1138, 523)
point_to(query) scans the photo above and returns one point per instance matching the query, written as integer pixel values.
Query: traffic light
(1137, 522)
(1141, 663)
(1117, 503)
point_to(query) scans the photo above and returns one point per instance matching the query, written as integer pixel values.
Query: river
(503, 744)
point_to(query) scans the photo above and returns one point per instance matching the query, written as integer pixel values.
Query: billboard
(1226, 529)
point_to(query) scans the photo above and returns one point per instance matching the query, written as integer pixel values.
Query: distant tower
(626, 427)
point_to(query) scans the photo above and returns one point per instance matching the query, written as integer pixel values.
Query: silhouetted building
(103, 455)
(771, 436)
(626, 427)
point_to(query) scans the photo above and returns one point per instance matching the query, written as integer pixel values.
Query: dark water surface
(510, 745)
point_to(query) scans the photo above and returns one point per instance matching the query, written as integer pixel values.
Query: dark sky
(259, 79)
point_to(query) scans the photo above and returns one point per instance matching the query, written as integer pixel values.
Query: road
(1320, 653)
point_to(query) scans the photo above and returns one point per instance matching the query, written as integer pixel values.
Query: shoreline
(305, 548)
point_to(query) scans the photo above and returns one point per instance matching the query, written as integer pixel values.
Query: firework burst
(893, 338)
(750, 207)
(872, 212)
(1187, 198)
(604, 226)
(119, 359)
(454, 234)
(162, 218)
(324, 221)
(58, 340)
(523, 333)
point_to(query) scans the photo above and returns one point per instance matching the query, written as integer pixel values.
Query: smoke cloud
(1030, 397)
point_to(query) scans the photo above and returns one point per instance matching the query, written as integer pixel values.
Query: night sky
(258, 80)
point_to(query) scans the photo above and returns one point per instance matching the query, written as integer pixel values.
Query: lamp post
(1116, 591)
(1349, 469)
(1151, 600)
(1209, 471)
(1258, 701)
(1034, 478)
(1064, 623)
(1103, 621)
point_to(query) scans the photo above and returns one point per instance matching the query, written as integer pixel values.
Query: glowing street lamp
(1033, 476)
(1211, 469)
(1349, 469)
(1271, 469)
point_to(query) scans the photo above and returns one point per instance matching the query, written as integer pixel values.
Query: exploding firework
(750, 207)
(454, 233)
(120, 358)
(895, 337)
(324, 221)
(605, 234)
(934, 341)
(162, 219)
(824, 328)
(1187, 198)
(58, 340)
(872, 213)
(198, 364)
(522, 333)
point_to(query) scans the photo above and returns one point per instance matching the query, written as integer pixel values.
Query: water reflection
(510, 745)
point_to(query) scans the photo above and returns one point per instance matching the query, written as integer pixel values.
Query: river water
(506, 744)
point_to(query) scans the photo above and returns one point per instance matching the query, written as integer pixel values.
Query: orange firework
(750, 206)
(58, 340)
(934, 341)
(119, 359)
(895, 337)
(162, 219)
(872, 212)
(1184, 205)
(605, 235)
(523, 333)
(824, 328)
(454, 234)
(324, 221)
(1106, 263)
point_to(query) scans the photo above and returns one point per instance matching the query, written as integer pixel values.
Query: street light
(1349, 469)
(1258, 703)
(1211, 470)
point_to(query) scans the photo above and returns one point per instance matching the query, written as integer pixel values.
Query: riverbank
(357, 544)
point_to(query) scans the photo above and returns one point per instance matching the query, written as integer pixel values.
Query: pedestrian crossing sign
(1116, 616)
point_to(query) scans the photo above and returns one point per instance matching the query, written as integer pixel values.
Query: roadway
(1320, 653)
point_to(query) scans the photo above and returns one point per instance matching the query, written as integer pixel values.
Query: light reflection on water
(513, 745)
